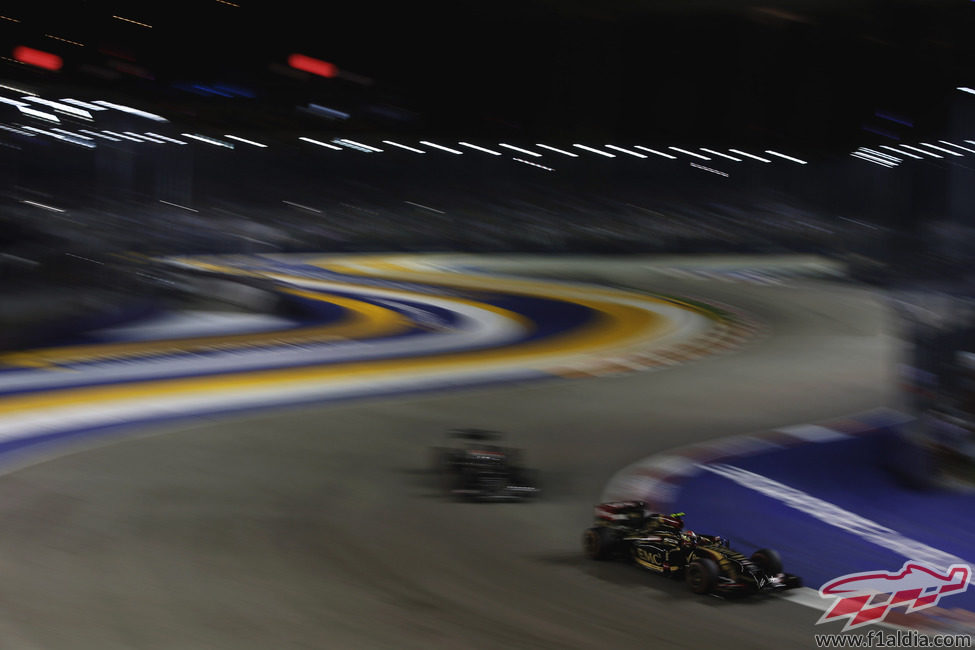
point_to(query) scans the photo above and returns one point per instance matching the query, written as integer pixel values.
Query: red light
(45, 60)
(314, 66)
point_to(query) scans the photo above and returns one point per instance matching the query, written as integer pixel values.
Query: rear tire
(768, 561)
(702, 575)
(600, 543)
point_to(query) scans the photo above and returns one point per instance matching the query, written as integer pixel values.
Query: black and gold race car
(659, 542)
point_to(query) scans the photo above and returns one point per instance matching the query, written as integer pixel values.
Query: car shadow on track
(629, 576)
(433, 484)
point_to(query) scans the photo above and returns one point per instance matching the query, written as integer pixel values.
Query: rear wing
(620, 511)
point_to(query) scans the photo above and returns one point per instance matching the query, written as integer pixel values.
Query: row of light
(82, 110)
(887, 158)
(85, 137)
(339, 144)
(74, 108)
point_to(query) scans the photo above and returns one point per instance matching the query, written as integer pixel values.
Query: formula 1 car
(659, 543)
(479, 470)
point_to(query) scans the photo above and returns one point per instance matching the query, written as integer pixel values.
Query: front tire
(768, 561)
(702, 575)
(600, 543)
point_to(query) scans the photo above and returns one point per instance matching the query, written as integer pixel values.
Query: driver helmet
(673, 521)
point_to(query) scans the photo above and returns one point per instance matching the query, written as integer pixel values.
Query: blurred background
(132, 132)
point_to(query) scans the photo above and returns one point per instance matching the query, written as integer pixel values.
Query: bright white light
(86, 105)
(933, 155)
(99, 135)
(942, 149)
(131, 111)
(951, 144)
(352, 144)
(474, 146)
(244, 140)
(749, 155)
(876, 161)
(519, 149)
(320, 144)
(632, 153)
(438, 146)
(425, 207)
(73, 139)
(302, 207)
(533, 164)
(124, 137)
(689, 153)
(43, 206)
(143, 137)
(601, 153)
(64, 108)
(567, 153)
(19, 91)
(903, 153)
(874, 158)
(74, 135)
(165, 138)
(18, 131)
(177, 205)
(659, 153)
(782, 155)
(403, 146)
(330, 112)
(966, 90)
(708, 169)
(208, 140)
(13, 102)
(27, 110)
(886, 156)
(723, 155)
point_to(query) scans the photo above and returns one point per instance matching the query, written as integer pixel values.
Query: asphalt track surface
(322, 527)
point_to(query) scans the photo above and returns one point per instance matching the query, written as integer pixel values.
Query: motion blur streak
(782, 155)
(403, 146)
(561, 151)
(474, 146)
(749, 155)
(320, 143)
(626, 151)
(722, 155)
(933, 155)
(38, 58)
(689, 153)
(601, 153)
(659, 153)
(438, 146)
(901, 152)
(519, 149)
(50, 117)
(131, 111)
(312, 65)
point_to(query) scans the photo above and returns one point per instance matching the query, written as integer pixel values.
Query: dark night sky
(803, 72)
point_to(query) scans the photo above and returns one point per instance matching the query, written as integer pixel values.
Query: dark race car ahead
(476, 468)
(659, 543)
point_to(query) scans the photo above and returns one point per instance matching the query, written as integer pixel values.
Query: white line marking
(833, 515)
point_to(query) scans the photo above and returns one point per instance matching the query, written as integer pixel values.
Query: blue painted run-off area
(849, 473)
